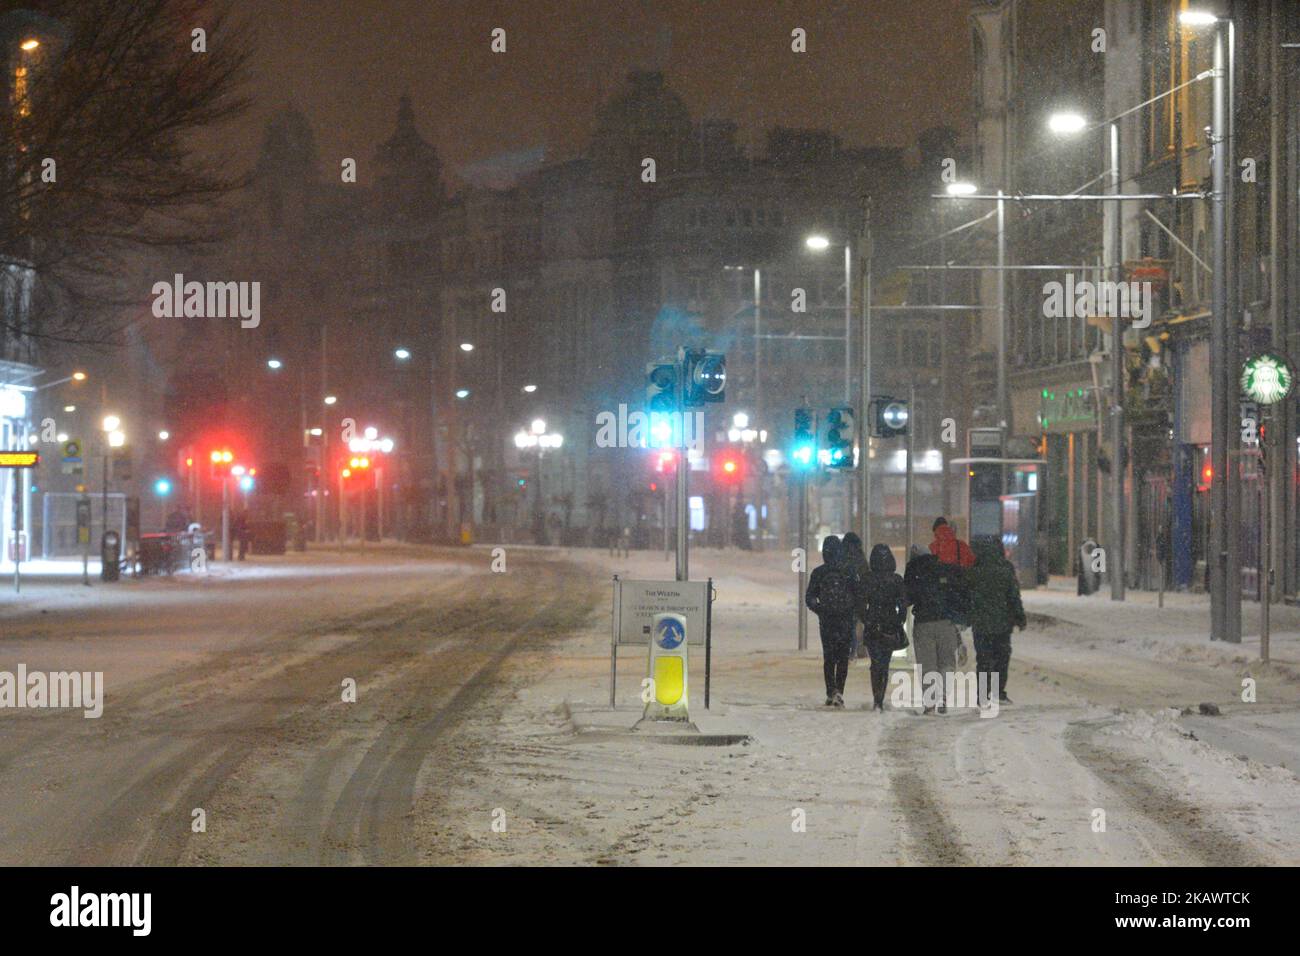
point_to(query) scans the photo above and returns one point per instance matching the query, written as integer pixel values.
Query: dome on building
(645, 119)
(410, 172)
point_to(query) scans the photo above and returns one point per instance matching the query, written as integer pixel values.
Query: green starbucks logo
(1267, 378)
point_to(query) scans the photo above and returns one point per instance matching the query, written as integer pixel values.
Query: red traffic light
(221, 459)
(729, 468)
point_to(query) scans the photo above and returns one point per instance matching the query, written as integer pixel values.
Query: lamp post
(113, 438)
(818, 243)
(538, 439)
(1067, 124)
(1225, 503)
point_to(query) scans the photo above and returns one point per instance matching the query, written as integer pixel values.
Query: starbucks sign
(1267, 378)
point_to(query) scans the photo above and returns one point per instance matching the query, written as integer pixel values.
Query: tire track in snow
(375, 807)
(935, 840)
(192, 776)
(1168, 812)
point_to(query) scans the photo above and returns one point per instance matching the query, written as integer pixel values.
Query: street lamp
(467, 346)
(274, 363)
(1224, 551)
(330, 399)
(1066, 124)
(462, 393)
(113, 438)
(530, 388)
(401, 354)
(538, 439)
(818, 243)
(164, 435)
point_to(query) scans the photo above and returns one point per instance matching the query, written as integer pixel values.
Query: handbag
(894, 639)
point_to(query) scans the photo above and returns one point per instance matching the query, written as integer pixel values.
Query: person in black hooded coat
(831, 595)
(851, 554)
(882, 605)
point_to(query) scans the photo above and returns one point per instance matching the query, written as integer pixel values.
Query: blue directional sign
(670, 633)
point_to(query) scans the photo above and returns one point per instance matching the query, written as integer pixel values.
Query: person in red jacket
(949, 548)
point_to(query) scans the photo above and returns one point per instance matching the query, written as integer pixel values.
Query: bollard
(667, 668)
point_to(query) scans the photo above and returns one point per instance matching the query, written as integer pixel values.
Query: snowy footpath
(1133, 740)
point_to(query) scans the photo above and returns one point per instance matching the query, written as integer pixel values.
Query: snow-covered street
(481, 731)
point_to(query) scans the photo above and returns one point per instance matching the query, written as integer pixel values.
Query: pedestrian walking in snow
(949, 548)
(882, 605)
(937, 594)
(830, 595)
(856, 560)
(995, 610)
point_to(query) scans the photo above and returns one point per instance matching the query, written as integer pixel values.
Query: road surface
(226, 696)
(481, 733)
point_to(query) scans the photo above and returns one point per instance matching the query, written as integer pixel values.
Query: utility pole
(1225, 587)
(1265, 568)
(1232, 391)
(802, 542)
(864, 395)
(683, 473)
(759, 420)
(1004, 414)
(909, 501)
(1117, 554)
(322, 476)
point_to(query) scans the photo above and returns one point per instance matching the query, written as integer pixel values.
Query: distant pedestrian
(240, 531)
(949, 548)
(830, 595)
(995, 610)
(1088, 578)
(856, 561)
(882, 606)
(937, 593)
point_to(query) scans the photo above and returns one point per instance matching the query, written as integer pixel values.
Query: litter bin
(110, 556)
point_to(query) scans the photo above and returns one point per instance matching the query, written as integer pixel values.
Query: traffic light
(729, 468)
(661, 387)
(803, 450)
(838, 438)
(704, 376)
(665, 461)
(891, 417)
(221, 460)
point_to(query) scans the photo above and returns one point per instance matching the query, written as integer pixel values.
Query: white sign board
(637, 602)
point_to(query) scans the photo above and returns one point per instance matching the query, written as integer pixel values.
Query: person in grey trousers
(933, 588)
